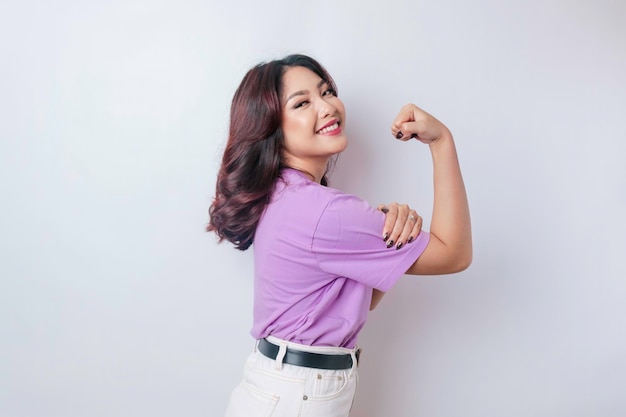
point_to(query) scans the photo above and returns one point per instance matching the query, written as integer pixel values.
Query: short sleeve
(348, 243)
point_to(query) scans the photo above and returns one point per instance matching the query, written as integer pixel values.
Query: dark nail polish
(385, 237)
(410, 239)
(399, 135)
(390, 243)
(399, 245)
(414, 135)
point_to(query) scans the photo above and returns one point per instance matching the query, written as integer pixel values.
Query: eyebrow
(303, 92)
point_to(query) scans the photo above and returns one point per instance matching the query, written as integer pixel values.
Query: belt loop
(281, 355)
(354, 363)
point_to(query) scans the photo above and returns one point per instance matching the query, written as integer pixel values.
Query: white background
(115, 302)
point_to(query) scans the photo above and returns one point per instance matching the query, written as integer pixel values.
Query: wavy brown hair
(253, 158)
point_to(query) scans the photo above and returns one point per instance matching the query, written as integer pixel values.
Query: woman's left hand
(402, 224)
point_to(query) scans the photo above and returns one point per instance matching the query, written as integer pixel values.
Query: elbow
(463, 264)
(442, 259)
(462, 261)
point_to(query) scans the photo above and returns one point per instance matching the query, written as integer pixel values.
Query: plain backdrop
(113, 117)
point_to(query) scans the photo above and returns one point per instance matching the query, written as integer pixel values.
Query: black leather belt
(308, 359)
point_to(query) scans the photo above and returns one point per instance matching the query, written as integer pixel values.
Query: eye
(300, 104)
(329, 91)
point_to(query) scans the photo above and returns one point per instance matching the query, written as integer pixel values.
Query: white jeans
(271, 388)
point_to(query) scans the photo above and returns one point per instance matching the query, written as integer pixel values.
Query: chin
(340, 147)
(344, 143)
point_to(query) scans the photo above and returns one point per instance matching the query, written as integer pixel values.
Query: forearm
(451, 219)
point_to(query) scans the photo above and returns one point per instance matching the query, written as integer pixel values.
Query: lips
(329, 127)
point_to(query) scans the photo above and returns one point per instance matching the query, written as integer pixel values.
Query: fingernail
(399, 245)
(385, 237)
(414, 135)
(399, 135)
(385, 210)
(410, 239)
(390, 243)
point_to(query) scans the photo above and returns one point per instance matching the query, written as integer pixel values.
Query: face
(313, 120)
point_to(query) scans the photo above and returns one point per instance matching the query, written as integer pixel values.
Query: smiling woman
(320, 263)
(312, 122)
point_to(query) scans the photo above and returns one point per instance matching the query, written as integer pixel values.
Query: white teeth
(329, 128)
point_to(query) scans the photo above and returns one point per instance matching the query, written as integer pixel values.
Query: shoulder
(329, 202)
(299, 203)
(296, 203)
(350, 214)
(295, 186)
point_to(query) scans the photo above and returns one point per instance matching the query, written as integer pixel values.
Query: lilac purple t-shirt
(317, 255)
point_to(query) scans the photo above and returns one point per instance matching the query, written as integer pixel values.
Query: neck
(308, 174)
(315, 169)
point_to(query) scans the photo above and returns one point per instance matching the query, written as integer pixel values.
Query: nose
(326, 109)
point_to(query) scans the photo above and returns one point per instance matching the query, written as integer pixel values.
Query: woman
(320, 264)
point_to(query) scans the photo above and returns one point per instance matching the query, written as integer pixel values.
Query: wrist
(443, 140)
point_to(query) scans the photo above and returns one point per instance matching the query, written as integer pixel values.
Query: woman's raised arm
(450, 246)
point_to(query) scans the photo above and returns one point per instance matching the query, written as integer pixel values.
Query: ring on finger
(411, 217)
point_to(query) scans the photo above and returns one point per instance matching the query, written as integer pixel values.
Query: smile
(328, 129)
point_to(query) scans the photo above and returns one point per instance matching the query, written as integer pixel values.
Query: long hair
(253, 158)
